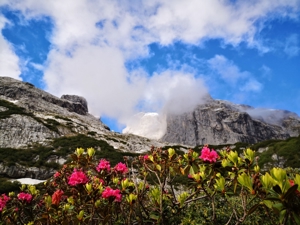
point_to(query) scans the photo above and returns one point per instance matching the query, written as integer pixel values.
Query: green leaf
(252, 209)
(158, 167)
(268, 203)
(297, 181)
(191, 170)
(278, 207)
(290, 191)
(154, 217)
(296, 218)
(273, 199)
(235, 185)
(282, 215)
(195, 168)
(277, 189)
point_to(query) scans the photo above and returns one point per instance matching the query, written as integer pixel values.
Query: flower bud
(80, 215)
(171, 152)
(91, 152)
(116, 180)
(88, 187)
(32, 190)
(48, 201)
(66, 207)
(97, 203)
(23, 187)
(79, 151)
(70, 200)
(256, 169)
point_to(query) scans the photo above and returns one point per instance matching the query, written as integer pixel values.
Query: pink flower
(207, 155)
(103, 165)
(3, 200)
(77, 177)
(109, 192)
(56, 197)
(25, 197)
(121, 167)
(146, 157)
(57, 174)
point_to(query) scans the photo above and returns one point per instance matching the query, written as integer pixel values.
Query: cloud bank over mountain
(92, 42)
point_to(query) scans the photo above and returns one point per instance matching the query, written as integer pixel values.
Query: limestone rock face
(221, 122)
(18, 131)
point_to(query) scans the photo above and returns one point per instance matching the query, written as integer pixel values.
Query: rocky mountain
(221, 122)
(30, 117)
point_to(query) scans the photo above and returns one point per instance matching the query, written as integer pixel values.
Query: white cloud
(266, 72)
(9, 61)
(92, 40)
(97, 73)
(229, 73)
(37, 66)
(252, 85)
(292, 47)
(151, 125)
(174, 92)
(227, 70)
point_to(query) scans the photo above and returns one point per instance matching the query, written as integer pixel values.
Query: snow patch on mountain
(149, 125)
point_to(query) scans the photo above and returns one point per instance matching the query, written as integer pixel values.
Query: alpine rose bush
(85, 192)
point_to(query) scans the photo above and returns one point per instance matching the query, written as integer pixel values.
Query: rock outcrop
(19, 171)
(30, 95)
(221, 122)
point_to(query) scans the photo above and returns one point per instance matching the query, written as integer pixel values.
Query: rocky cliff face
(221, 122)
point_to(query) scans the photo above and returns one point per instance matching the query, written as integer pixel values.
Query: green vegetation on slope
(288, 149)
(37, 155)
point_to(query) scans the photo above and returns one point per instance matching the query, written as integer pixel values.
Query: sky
(131, 56)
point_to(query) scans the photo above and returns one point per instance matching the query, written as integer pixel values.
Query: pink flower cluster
(109, 192)
(3, 200)
(25, 197)
(208, 155)
(121, 168)
(77, 177)
(146, 157)
(103, 165)
(57, 174)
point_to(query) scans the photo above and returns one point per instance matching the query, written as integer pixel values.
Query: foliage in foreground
(223, 188)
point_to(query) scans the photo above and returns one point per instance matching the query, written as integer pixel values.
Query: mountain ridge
(221, 122)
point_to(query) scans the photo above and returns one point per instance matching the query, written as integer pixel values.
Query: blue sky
(155, 56)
